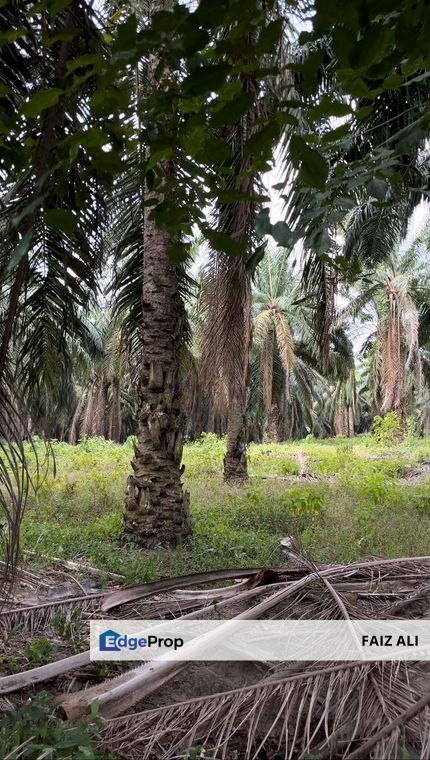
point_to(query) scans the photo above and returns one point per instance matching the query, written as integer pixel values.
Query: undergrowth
(359, 506)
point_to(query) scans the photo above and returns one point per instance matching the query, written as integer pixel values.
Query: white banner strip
(260, 640)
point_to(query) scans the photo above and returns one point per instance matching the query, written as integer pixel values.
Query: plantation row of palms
(129, 125)
(290, 394)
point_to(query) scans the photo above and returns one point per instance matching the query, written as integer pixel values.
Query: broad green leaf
(378, 189)
(232, 111)
(164, 21)
(209, 14)
(178, 252)
(213, 151)
(193, 39)
(329, 107)
(40, 101)
(224, 243)
(393, 81)
(104, 103)
(61, 219)
(84, 60)
(282, 234)
(375, 43)
(261, 143)
(64, 35)
(255, 258)
(336, 134)
(230, 90)
(194, 140)
(206, 78)
(269, 37)
(313, 167)
(126, 34)
(344, 45)
(262, 223)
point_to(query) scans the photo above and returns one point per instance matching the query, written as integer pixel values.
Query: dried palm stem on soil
(119, 694)
(38, 616)
(338, 710)
(323, 710)
(9, 684)
(122, 596)
(52, 670)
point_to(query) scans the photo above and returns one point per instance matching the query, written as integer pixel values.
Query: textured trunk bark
(76, 421)
(273, 425)
(156, 505)
(351, 422)
(235, 462)
(339, 421)
(89, 411)
(115, 417)
(211, 419)
(99, 421)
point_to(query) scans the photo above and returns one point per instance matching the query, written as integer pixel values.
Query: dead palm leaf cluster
(293, 710)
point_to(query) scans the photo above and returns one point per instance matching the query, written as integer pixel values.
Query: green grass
(358, 508)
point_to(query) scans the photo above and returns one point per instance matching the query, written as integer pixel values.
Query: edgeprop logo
(111, 641)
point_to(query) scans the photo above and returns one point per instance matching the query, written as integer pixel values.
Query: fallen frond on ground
(327, 710)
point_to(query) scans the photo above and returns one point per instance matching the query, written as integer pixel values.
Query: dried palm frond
(118, 694)
(148, 589)
(326, 710)
(39, 616)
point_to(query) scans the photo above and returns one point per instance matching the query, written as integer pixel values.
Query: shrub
(387, 430)
(46, 735)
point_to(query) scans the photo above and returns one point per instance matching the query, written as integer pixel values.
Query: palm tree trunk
(99, 421)
(89, 411)
(235, 464)
(351, 421)
(235, 460)
(273, 426)
(115, 418)
(210, 427)
(156, 505)
(74, 427)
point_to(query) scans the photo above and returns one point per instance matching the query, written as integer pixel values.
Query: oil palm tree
(227, 332)
(394, 301)
(102, 381)
(156, 505)
(51, 208)
(273, 294)
(299, 395)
